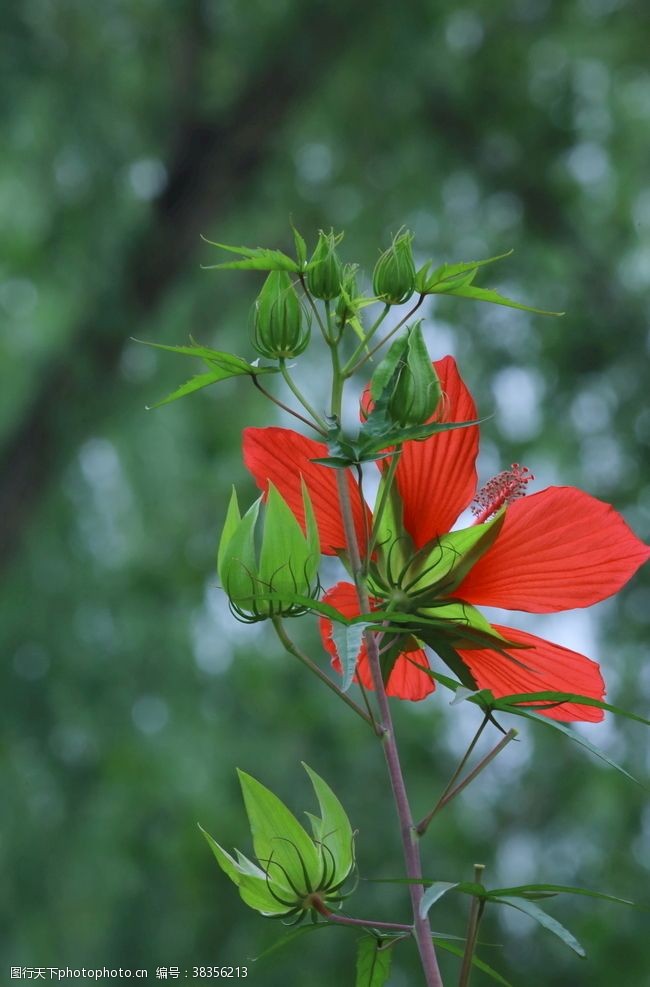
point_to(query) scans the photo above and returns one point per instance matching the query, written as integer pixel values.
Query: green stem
(410, 843)
(383, 500)
(421, 926)
(300, 397)
(388, 335)
(338, 380)
(349, 367)
(451, 793)
(294, 650)
(423, 824)
(366, 530)
(285, 407)
(475, 915)
(313, 307)
(364, 923)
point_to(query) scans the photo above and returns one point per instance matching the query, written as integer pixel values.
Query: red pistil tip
(501, 489)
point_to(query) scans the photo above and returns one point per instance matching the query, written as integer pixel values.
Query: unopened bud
(324, 274)
(287, 566)
(349, 291)
(394, 276)
(416, 388)
(278, 330)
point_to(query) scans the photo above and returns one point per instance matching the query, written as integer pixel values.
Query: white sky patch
(574, 629)
(517, 859)
(518, 392)
(106, 518)
(150, 714)
(216, 633)
(603, 462)
(314, 162)
(147, 178)
(588, 163)
(464, 32)
(590, 412)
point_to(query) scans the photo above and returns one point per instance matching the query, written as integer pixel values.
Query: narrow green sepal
(238, 569)
(301, 248)
(439, 567)
(333, 828)
(254, 885)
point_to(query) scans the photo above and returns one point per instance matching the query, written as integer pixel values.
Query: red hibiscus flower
(555, 550)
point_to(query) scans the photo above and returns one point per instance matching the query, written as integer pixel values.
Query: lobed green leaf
(196, 383)
(254, 259)
(489, 295)
(426, 281)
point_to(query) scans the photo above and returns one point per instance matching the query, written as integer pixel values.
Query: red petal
(558, 549)
(406, 681)
(436, 478)
(283, 456)
(548, 667)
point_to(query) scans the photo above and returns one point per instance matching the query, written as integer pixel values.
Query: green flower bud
(296, 874)
(287, 565)
(393, 279)
(348, 293)
(415, 385)
(278, 330)
(324, 277)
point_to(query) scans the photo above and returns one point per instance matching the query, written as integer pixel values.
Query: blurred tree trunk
(210, 164)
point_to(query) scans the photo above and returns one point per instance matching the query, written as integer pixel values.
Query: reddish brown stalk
(410, 844)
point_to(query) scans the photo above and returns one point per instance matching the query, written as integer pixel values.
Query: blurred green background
(130, 695)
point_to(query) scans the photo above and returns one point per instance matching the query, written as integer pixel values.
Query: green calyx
(433, 573)
(259, 588)
(349, 291)
(296, 873)
(414, 388)
(279, 327)
(325, 271)
(394, 276)
(419, 589)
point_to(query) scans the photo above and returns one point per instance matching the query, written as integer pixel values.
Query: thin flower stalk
(451, 792)
(421, 928)
(293, 649)
(475, 915)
